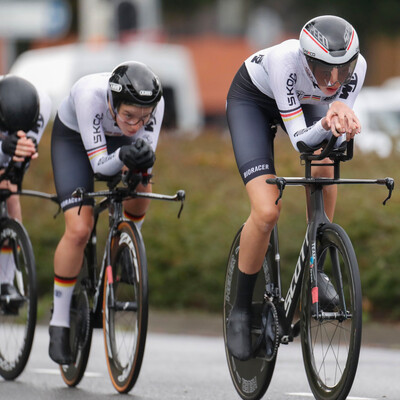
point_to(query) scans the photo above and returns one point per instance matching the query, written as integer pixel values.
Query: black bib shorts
(251, 119)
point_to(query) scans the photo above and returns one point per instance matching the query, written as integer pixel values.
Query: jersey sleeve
(283, 82)
(90, 113)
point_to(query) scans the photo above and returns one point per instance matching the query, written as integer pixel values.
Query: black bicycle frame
(316, 219)
(96, 282)
(112, 201)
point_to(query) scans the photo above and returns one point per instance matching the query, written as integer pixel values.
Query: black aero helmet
(19, 104)
(135, 83)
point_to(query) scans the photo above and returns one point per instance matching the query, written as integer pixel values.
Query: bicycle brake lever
(58, 211)
(79, 193)
(390, 186)
(180, 196)
(281, 184)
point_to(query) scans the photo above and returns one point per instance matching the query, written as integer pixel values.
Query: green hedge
(187, 256)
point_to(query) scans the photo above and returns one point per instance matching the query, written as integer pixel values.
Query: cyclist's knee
(78, 234)
(78, 228)
(265, 218)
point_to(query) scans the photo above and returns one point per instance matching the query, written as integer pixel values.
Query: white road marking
(56, 371)
(312, 396)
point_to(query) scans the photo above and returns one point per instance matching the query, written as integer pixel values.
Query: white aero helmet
(329, 42)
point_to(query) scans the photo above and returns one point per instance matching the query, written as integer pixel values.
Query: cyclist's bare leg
(69, 253)
(254, 241)
(67, 264)
(13, 204)
(256, 232)
(137, 208)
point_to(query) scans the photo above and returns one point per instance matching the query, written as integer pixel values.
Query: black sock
(245, 287)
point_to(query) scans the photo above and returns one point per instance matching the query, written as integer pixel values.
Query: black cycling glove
(137, 156)
(9, 144)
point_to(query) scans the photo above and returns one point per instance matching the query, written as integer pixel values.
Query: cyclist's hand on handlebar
(341, 119)
(19, 146)
(137, 156)
(351, 128)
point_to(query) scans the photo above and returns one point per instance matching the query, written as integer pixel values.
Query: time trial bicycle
(329, 327)
(113, 296)
(18, 288)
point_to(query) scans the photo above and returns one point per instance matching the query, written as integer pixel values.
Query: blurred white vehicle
(56, 69)
(378, 109)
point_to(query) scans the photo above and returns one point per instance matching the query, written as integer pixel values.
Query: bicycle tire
(125, 324)
(17, 321)
(331, 347)
(251, 378)
(81, 330)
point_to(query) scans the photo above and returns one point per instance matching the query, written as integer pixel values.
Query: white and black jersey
(86, 111)
(281, 73)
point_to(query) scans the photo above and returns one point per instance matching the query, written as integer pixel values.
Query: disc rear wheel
(251, 378)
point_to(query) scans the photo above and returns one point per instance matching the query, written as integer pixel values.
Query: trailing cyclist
(308, 87)
(109, 120)
(24, 113)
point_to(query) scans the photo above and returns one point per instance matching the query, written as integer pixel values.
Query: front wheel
(331, 342)
(251, 378)
(125, 307)
(17, 315)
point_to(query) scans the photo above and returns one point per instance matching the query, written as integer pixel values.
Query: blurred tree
(184, 6)
(370, 17)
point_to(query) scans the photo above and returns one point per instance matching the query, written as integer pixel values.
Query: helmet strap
(113, 111)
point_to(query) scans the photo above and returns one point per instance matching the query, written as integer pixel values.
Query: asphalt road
(187, 366)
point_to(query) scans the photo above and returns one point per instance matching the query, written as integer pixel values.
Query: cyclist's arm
(291, 111)
(94, 139)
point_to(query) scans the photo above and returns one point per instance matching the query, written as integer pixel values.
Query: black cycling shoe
(59, 348)
(327, 296)
(11, 299)
(238, 334)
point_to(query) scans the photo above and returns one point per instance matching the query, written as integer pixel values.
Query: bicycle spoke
(17, 315)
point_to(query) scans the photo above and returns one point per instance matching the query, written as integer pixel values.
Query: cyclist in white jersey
(24, 113)
(308, 87)
(108, 121)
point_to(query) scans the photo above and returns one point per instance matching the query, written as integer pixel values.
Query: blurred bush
(187, 256)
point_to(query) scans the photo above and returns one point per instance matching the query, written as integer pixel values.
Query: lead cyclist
(308, 87)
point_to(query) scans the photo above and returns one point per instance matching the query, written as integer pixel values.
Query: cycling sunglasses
(325, 75)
